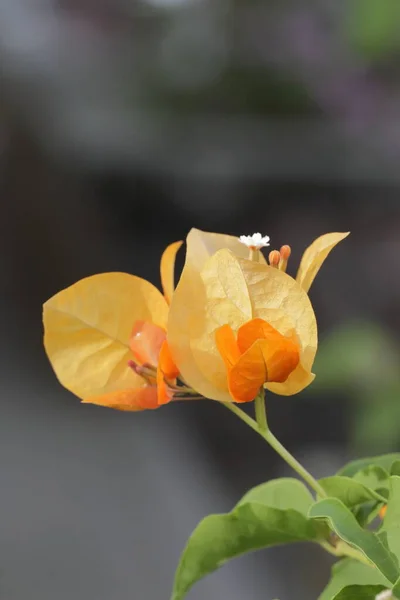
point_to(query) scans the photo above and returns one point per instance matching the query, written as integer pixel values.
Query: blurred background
(123, 123)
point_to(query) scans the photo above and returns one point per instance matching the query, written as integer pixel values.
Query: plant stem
(261, 427)
(343, 549)
(292, 462)
(261, 415)
(277, 446)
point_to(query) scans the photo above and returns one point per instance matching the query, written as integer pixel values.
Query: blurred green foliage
(373, 27)
(361, 361)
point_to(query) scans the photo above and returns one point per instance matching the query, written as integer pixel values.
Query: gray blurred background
(124, 123)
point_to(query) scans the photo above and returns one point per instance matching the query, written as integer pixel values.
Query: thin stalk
(343, 549)
(254, 255)
(261, 415)
(278, 447)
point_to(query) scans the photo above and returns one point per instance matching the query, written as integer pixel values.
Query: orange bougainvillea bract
(259, 355)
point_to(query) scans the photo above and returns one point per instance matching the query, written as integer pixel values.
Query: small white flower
(385, 595)
(255, 241)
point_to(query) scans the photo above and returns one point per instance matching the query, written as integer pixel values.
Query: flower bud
(274, 258)
(286, 251)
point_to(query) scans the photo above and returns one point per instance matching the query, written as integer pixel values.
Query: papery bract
(88, 328)
(226, 290)
(167, 269)
(95, 328)
(315, 255)
(202, 244)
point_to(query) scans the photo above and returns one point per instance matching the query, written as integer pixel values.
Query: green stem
(343, 549)
(277, 446)
(261, 427)
(261, 415)
(292, 462)
(378, 496)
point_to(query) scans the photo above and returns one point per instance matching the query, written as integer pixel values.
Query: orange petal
(267, 360)
(247, 376)
(166, 363)
(166, 370)
(164, 395)
(128, 400)
(281, 358)
(227, 345)
(256, 329)
(167, 269)
(146, 341)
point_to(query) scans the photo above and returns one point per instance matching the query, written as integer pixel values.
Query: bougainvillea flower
(105, 337)
(199, 309)
(255, 241)
(236, 324)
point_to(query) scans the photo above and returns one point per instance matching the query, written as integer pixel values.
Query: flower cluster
(235, 324)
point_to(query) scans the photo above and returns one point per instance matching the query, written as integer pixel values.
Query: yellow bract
(230, 290)
(87, 330)
(201, 245)
(315, 255)
(167, 270)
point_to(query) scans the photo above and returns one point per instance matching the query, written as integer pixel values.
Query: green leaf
(385, 461)
(219, 538)
(366, 513)
(359, 592)
(349, 491)
(347, 528)
(375, 478)
(391, 522)
(255, 523)
(396, 589)
(395, 470)
(283, 493)
(382, 535)
(351, 572)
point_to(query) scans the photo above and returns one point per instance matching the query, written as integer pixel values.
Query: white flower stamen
(385, 595)
(255, 241)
